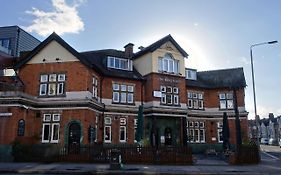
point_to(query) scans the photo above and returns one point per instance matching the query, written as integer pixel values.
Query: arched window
(168, 64)
(21, 127)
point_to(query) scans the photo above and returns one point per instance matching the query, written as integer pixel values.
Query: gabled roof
(52, 37)
(98, 59)
(158, 44)
(223, 78)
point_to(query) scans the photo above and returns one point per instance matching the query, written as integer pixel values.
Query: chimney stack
(129, 50)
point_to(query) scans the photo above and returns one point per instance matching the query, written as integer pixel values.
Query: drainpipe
(101, 119)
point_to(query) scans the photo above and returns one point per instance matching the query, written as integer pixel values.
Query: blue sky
(216, 34)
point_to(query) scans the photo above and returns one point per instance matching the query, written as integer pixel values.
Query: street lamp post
(254, 89)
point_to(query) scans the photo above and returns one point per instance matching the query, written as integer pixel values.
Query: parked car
(272, 141)
(264, 141)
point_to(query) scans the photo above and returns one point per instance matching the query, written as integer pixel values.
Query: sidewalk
(66, 168)
(203, 166)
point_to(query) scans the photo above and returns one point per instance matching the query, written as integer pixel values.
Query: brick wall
(78, 76)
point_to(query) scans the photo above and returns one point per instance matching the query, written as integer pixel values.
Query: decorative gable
(53, 52)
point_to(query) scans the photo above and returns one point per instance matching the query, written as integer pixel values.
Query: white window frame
(56, 117)
(123, 97)
(176, 99)
(125, 134)
(123, 121)
(107, 120)
(52, 133)
(49, 89)
(110, 134)
(44, 78)
(45, 118)
(60, 86)
(190, 103)
(132, 98)
(41, 88)
(204, 139)
(43, 132)
(115, 99)
(61, 77)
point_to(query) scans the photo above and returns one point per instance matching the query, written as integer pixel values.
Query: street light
(254, 89)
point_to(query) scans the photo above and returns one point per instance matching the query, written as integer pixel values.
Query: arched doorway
(74, 135)
(168, 136)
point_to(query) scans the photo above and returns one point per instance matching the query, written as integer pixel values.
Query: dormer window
(191, 74)
(119, 63)
(168, 64)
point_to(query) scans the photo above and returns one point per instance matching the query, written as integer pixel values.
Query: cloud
(63, 19)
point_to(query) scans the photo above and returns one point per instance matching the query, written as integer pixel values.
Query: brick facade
(78, 106)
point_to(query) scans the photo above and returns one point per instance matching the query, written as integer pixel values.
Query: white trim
(52, 133)
(43, 132)
(125, 134)
(45, 116)
(110, 134)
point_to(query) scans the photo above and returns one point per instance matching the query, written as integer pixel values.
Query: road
(273, 151)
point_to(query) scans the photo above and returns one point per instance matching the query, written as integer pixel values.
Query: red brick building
(61, 96)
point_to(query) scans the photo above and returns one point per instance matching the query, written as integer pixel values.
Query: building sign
(157, 94)
(5, 114)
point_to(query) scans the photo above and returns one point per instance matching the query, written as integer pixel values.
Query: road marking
(272, 156)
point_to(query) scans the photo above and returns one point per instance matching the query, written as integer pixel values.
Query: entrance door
(168, 136)
(74, 135)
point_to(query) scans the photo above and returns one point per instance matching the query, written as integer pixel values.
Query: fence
(102, 154)
(246, 154)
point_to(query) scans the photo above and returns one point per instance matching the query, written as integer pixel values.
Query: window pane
(52, 77)
(222, 96)
(123, 87)
(176, 90)
(176, 66)
(52, 89)
(169, 89)
(189, 94)
(171, 66)
(130, 97)
(200, 96)
(190, 103)
(229, 96)
(163, 98)
(123, 133)
(169, 99)
(56, 117)
(202, 135)
(130, 88)
(43, 89)
(229, 104)
(55, 132)
(165, 65)
(107, 121)
(115, 96)
(200, 104)
(163, 89)
(43, 78)
(47, 117)
(191, 135)
(123, 64)
(176, 99)
(46, 133)
(60, 88)
(123, 97)
(196, 135)
(223, 104)
(160, 64)
(194, 95)
(115, 87)
(21, 127)
(107, 133)
(61, 77)
(110, 62)
(195, 104)
(117, 63)
(122, 121)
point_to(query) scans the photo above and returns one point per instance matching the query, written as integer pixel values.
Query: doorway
(74, 135)
(168, 136)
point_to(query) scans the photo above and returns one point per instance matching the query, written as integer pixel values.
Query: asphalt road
(274, 151)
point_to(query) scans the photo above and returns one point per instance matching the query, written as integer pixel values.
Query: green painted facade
(163, 123)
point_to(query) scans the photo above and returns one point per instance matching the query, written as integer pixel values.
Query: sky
(216, 34)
